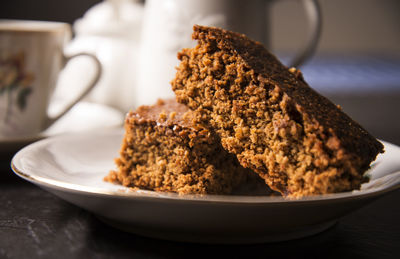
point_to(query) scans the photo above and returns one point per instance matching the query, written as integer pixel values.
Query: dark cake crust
(266, 114)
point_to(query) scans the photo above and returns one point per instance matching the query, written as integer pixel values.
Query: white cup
(167, 28)
(31, 58)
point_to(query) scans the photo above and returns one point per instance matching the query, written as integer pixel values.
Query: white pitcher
(137, 42)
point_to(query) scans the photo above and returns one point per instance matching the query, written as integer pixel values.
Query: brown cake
(163, 150)
(267, 115)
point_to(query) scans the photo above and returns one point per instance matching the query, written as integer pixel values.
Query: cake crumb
(162, 116)
(172, 115)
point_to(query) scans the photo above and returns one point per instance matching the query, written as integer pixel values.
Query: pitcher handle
(314, 17)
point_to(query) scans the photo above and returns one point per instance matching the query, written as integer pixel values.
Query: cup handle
(314, 16)
(92, 83)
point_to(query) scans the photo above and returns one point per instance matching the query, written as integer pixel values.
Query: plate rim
(135, 193)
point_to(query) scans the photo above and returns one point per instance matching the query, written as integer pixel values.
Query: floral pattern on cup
(15, 82)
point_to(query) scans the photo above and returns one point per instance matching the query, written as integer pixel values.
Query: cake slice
(163, 150)
(267, 115)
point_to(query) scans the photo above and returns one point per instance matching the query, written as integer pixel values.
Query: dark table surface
(37, 224)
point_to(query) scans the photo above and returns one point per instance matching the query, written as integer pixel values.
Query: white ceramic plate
(73, 166)
(84, 116)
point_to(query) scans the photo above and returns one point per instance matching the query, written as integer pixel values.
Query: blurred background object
(350, 26)
(357, 63)
(110, 30)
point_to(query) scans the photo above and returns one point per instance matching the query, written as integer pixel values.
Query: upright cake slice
(163, 150)
(267, 115)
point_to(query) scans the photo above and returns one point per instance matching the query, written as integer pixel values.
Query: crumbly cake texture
(163, 150)
(266, 114)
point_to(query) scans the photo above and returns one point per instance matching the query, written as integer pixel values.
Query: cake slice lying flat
(163, 150)
(267, 115)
